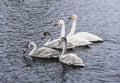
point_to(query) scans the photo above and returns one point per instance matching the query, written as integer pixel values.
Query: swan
(42, 52)
(54, 43)
(88, 36)
(71, 58)
(73, 39)
(50, 41)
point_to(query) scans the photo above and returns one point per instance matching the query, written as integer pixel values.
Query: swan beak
(72, 17)
(69, 17)
(56, 24)
(42, 37)
(24, 51)
(25, 48)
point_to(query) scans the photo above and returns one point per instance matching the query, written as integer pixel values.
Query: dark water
(25, 20)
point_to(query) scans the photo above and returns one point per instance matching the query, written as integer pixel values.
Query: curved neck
(63, 30)
(34, 48)
(64, 48)
(72, 32)
(50, 38)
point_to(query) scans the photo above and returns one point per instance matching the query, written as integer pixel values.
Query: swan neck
(63, 30)
(64, 48)
(50, 38)
(72, 32)
(34, 48)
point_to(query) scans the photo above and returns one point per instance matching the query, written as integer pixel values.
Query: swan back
(45, 52)
(89, 36)
(71, 59)
(78, 41)
(55, 44)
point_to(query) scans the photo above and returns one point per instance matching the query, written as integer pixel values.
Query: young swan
(42, 52)
(86, 35)
(76, 41)
(71, 58)
(54, 43)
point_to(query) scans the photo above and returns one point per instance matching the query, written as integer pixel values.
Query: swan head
(27, 46)
(73, 17)
(30, 44)
(59, 22)
(45, 34)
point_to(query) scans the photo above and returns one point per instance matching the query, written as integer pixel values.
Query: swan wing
(88, 36)
(71, 59)
(78, 41)
(51, 43)
(55, 44)
(45, 52)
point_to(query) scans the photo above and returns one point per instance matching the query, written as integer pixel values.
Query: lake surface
(25, 20)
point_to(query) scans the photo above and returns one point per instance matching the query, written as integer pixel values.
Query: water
(25, 20)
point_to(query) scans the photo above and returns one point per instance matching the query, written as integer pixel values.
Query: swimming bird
(42, 52)
(70, 58)
(76, 41)
(89, 36)
(54, 43)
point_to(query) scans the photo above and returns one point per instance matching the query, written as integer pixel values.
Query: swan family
(64, 42)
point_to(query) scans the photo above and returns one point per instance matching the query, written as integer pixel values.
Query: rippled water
(25, 20)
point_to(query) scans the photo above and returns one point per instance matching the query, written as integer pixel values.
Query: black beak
(24, 50)
(55, 25)
(42, 37)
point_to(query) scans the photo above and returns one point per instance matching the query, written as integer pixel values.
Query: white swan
(88, 36)
(51, 42)
(72, 39)
(42, 52)
(71, 58)
(55, 43)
